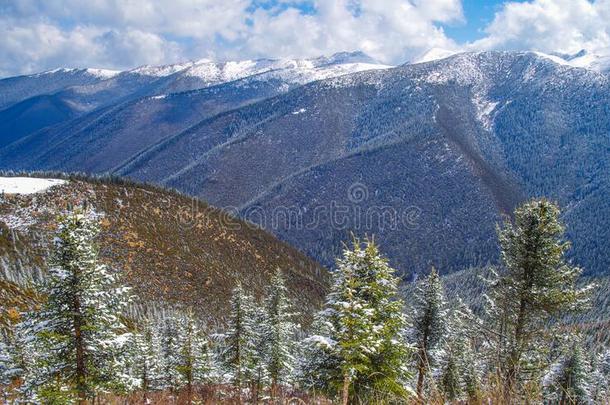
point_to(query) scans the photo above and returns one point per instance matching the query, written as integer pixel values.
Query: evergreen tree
(429, 325)
(79, 326)
(460, 370)
(450, 378)
(170, 346)
(362, 351)
(239, 355)
(145, 365)
(278, 336)
(194, 362)
(257, 372)
(537, 285)
(318, 369)
(570, 379)
(600, 379)
(15, 355)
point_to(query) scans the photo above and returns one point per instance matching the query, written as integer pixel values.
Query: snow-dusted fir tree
(568, 382)
(170, 346)
(450, 380)
(15, 355)
(194, 358)
(459, 370)
(144, 356)
(536, 285)
(363, 353)
(278, 333)
(600, 378)
(239, 355)
(318, 364)
(79, 324)
(257, 374)
(429, 325)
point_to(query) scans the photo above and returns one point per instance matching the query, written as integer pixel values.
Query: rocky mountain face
(428, 157)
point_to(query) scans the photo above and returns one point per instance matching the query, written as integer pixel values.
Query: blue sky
(37, 35)
(478, 14)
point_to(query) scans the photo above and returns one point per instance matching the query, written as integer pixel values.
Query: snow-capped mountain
(597, 61)
(460, 139)
(30, 103)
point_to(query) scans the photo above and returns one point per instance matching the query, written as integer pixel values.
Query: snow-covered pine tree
(79, 325)
(361, 349)
(239, 355)
(204, 363)
(429, 325)
(170, 346)
(257, 373)
(145, 354)
(318, 365)
(15, 355)
(569, 379)
(278, 333)
(450, 377)
(600, 379)
(194, 360)
(459, 374)
(537, 284)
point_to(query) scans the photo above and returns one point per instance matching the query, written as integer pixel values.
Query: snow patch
(102, 73)
(484, 109)
(27, 185)
(434, 54)
(300, 111)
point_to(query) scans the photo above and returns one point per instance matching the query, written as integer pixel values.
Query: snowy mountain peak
(434, 54)
(348, 57)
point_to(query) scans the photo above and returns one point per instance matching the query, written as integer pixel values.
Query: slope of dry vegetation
(170, 247)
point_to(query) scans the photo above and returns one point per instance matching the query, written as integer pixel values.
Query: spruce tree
(361, 348)
(16, 354)
(537, 285)
(145, 364)
(170, 346)
(600, 379)
(429, 325)
(79, 325)
(194, 364)
(450, 378)
(278, 335)
(570, 379)
(239, 354)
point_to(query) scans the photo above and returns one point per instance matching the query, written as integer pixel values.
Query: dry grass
(172, 249)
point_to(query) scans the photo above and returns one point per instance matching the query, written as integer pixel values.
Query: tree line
(369, 343)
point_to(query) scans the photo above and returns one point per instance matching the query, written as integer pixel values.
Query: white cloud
(41, 34)
(549, 25)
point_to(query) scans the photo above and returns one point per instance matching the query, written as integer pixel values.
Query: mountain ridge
(489, 129)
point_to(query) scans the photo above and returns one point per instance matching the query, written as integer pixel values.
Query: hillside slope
(172, 249)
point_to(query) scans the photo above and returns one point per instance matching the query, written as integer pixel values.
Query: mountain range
(428, 156)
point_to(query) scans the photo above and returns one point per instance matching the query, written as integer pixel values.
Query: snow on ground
(27, 185)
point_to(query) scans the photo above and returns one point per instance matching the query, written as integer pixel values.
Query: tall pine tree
(429, 325)
(79, 324)
(278, 336)
(537, 284)
(239, 356)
